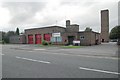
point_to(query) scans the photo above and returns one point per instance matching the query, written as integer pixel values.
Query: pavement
(29, 61)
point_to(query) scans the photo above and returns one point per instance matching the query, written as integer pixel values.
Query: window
(82, 37)
(56, 39)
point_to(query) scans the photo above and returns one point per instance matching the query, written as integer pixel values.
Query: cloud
(23, 12)
(51, 12)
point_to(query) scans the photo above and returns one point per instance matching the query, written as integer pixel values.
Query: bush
(2, 42)
(44, 43)
(50, 43)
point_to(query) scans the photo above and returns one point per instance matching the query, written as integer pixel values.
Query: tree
(115, 33)
(88, 29)
(17, 31)
(6, 35)
(118, 32)
(10, 33)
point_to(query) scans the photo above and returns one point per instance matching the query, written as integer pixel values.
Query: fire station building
(66, 35)
(61, 35)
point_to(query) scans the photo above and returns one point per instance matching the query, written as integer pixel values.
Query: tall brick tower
(105, 25)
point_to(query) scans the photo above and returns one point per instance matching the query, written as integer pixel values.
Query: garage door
(30, 39)
(47, 37)
(38, 39)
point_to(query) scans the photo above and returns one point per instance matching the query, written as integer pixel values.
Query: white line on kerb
(103, 71)
(33, 60)
(114, 58)
(39, 49)
(30, 51)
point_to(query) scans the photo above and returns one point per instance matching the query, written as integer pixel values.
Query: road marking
(33, 60)
(96, 70)
(39, 49)
(30, 51)
(115, 58)
(98, 57)
(89, 56)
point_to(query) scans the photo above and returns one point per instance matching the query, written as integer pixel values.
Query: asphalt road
(29, 61)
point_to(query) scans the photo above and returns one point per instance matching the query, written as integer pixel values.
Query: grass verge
(71, 47)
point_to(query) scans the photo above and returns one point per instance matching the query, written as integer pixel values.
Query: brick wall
(105, 25)
(42, 31)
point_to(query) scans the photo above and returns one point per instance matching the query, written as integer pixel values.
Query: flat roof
(88, 31)
(46, 27)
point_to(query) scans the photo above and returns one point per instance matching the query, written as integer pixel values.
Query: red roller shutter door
(47, 37)
(38, 39)
(30, 39)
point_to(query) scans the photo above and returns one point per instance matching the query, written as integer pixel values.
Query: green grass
(46, 45)
(60, 46)
(71, 46)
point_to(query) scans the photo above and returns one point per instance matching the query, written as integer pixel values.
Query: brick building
(68, 34)
(17, 39)
(105, 25)
(61, 35)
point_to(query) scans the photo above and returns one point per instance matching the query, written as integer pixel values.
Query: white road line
(88, 56)
(30, 51)
(115, 58)
(39, 49)
(96, 70)
(98, 57)
(33, 60)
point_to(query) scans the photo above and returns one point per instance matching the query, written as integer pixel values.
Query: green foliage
(115, 33)
(44, 42)
(88, 29)
(17, 31)
(3, 42)
(10, 33)
(71, 46)
(118, 32)
(6, 35)
(50, 43)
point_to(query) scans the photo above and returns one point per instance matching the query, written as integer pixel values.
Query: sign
(56, 35)
(78, 42)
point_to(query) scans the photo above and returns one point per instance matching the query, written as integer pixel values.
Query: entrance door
(38, 39)
(70, 39)
(102, 40)
(47, 37)
(30, 39)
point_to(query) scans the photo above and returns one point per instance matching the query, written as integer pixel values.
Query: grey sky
(51, 12)
(119, 13)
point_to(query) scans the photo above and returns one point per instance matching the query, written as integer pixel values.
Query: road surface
(29, 61)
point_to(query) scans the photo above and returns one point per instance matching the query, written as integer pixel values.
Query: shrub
(50, 43)
(3, 42)
(44, 43)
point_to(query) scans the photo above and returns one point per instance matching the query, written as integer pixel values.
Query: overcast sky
(42, 13)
